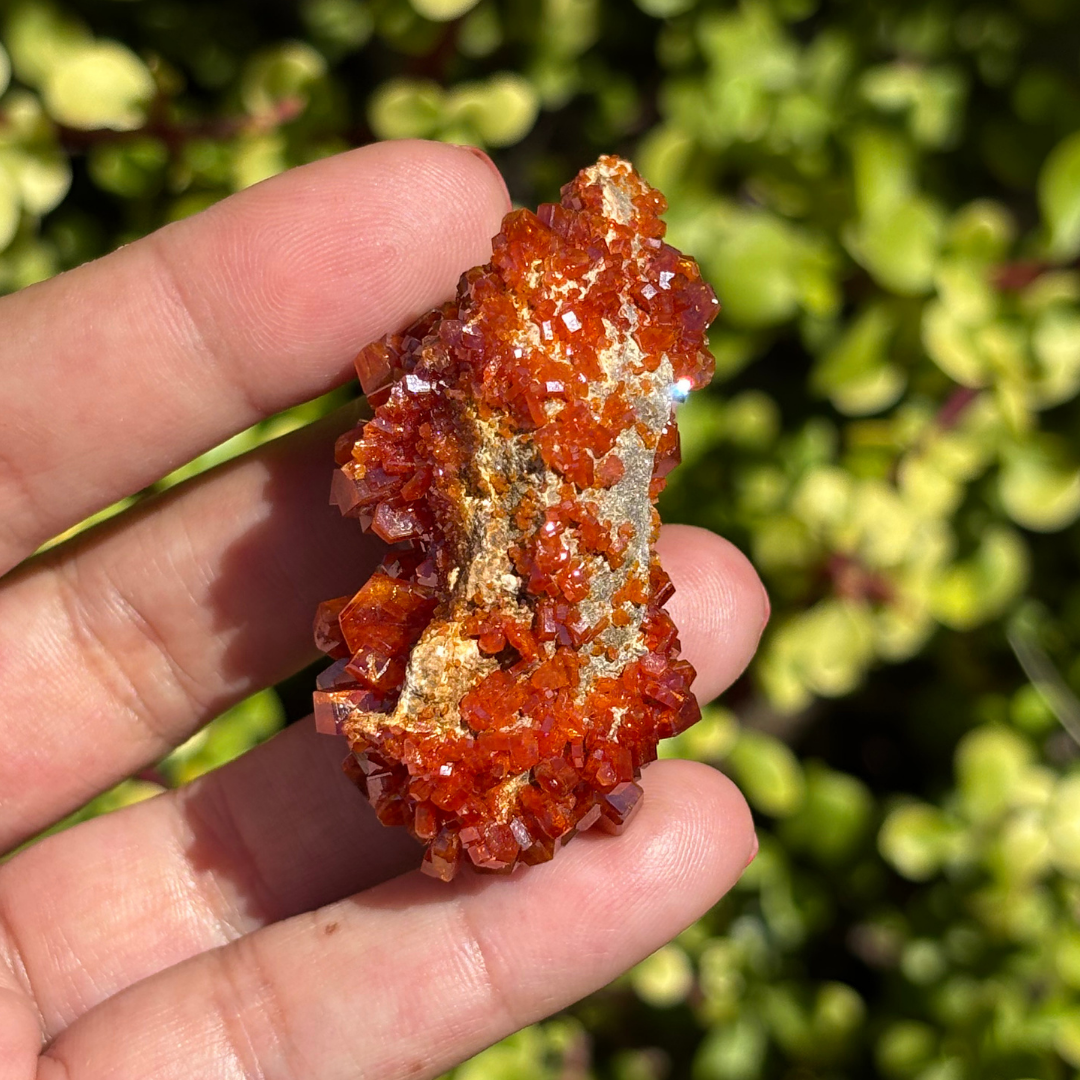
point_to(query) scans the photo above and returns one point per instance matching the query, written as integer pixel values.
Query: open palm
(259, 923)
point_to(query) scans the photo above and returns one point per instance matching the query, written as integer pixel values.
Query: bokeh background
(886, 196)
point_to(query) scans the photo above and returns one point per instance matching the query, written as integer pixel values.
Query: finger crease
(493, 988)
(249, 1009)
(217, 841)
(198, 337)
(58, 1067)
(22, 493)
(105, 660)
(15, 965)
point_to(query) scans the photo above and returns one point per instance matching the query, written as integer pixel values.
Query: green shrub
(887, 198)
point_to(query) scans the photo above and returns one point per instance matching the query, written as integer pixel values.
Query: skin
(259, 923)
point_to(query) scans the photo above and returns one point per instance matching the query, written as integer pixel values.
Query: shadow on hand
(282, 828)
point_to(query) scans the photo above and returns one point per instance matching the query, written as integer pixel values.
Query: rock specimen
(508, 669)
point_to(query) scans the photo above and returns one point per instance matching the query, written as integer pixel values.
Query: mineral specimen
(508, 669)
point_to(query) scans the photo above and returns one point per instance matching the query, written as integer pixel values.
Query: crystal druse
(508, 669)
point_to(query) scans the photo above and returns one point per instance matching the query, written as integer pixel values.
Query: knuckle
(118, 643)
(492, 993)
(249, 1012)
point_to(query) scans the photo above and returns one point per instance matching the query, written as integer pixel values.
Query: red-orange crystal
(509, 668)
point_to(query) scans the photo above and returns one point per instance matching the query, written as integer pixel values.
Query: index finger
(125, 368)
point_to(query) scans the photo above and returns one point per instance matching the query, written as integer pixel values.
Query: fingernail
(753, 851)
(478, 153)
(767, 612)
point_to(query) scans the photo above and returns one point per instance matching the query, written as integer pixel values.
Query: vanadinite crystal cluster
(508, 669)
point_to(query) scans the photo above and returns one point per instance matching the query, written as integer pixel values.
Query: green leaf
(932, 98)
(768, 773)
(1063, 825)
(1050, 289)
(856, 374)
(1055, 341)
(406, 109)
(443, 10)
(500, 111)
(1020, 853)
(130, 168)
(734, 1051)
(952, 345)
(882, 167)
(39, 38)
(1039, 484)
(748, 50)
(917, 840)
(991, 763)
(824, 499)
(540, 1052)
(1067, 958)
(663, 979)
(973, 591)
(1067, 1037)
(710, 739)
(568, 28)
(342, 24)
(664, 9)
(25, 121)
(899, 244)
(10, 208)
(42, 175)
(751, 420)
(839, 1010)
(1030, 710)
(1059, 198)
(257, 158)
(481, 33)
(905, 1047)
(233, 733)
(982, 230)
(280, 75)
(5, 69)
(964, 288)
(100, 85)
(753, 272)
(828, 647)
(872, 392)
(834, 819)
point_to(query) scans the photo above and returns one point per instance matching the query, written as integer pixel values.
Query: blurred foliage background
(887, 199)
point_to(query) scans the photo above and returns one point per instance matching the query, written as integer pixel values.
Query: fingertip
(720, 605)
(493, 170)
(705, 825)
(679, 855)
(467, 169)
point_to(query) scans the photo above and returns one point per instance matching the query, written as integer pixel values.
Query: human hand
(253, 924)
